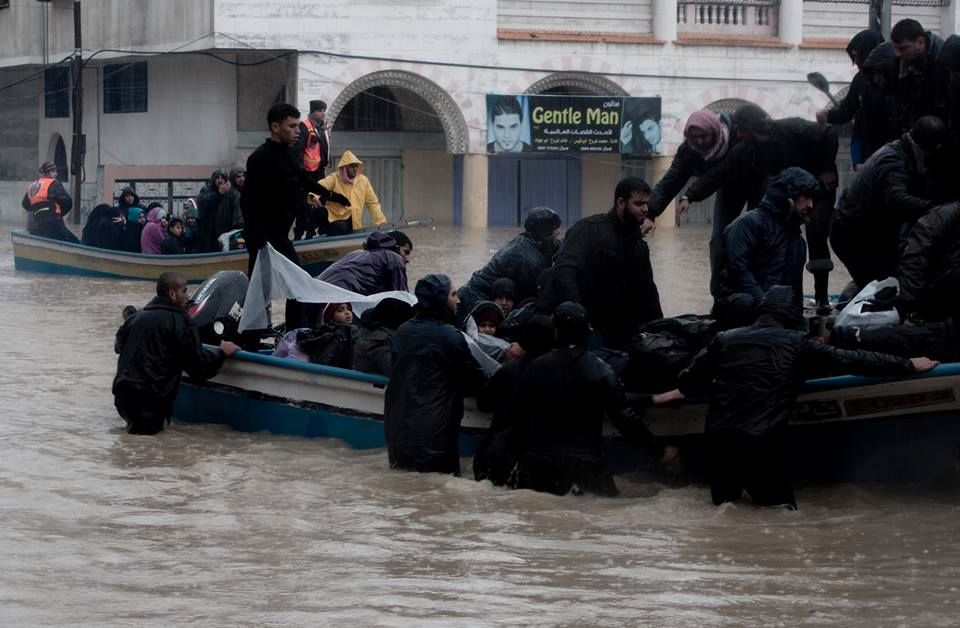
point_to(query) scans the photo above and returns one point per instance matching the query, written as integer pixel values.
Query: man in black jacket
(604, 265)
(274, 190)
(752, 377)
(765, 149)
(433, 370)
(892, 188)
(218, 211)
(564, 397)
(922, 82)
(522, 260)
(156, 345)
(708, 138)
(764, 247)
(930, 267)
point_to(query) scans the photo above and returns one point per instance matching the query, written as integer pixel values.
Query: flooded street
(205, 526)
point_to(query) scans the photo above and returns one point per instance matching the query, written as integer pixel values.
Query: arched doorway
(57, 153)
(406, 129)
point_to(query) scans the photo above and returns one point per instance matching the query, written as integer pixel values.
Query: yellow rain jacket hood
(359, 191)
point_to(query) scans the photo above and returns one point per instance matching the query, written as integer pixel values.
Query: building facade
(176, 88)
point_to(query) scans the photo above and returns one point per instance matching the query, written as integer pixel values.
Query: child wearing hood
(331, 344)
(154, 232)
(350, 181)
(173, 243)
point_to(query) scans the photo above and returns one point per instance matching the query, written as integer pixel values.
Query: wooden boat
(845, 429)
(37, 254)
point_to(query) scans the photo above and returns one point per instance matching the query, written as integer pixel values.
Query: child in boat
(173, 243)
(331, 344)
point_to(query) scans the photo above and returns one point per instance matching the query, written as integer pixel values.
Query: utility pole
(78, 147)
(879, 19)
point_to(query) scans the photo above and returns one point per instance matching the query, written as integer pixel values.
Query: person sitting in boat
(105, 228)
(497, 454)
(505, 294)
(764, 247)
(90, 235)
(156, 345)
(751, 377)
(331, 343)
(522, 260)
(378, 326)
(564, 396)
(128, 198)
(930, 267)
(482, 324)
(190, 214)
(133, 229)
(350, 182)
(48, 203)
(433, 370)
(218, 207)
(604, 265)
(381, 266)
(151, 239)
(173, 243)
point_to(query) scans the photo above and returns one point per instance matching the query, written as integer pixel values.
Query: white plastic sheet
(853, 315)
(276, 277)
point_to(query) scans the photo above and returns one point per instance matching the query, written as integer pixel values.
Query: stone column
(665, 20)
(791, 22)
(475, 190)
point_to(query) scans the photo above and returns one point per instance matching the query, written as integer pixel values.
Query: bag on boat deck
(874, 306)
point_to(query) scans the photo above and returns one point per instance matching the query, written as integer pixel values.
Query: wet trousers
(143, 415)
(740, 461)
(563, 474)
(52, 228)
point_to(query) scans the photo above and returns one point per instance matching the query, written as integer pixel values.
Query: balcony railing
(728, 17)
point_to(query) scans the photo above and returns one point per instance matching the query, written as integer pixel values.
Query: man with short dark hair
(274, 192)
(923, 81)
(604, 264)
(48, 203)
(312, 152)
(156, 345)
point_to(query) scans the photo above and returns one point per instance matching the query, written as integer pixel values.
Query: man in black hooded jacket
(930, 267)
(433, 370)
(156, 345)
(604, 265)
(522, 260)
(752, 377)
(892, 188)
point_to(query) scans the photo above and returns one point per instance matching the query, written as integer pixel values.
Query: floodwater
(205, 526)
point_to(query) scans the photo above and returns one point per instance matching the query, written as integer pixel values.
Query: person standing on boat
(604, 265)
(752, 377)
(155, 346)
(350, 182)
(48, 203)
(312, 152)
(522, 260)
(381, 266)
(433, 370)
(218, 211)
(273, 193)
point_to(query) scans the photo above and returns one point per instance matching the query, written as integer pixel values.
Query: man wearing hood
(128, 198)
(378, 267)
(218, 211)
(378, 326)
(883, 116)
(708, 137)
(859, 48)
(48, 203)
(894, 187)
(563, 398)
(432, 372)
(766, 148)
(765, 248)
(156, 345)
(349, 181)
(752, 377)
(522, 260)
(604, 265)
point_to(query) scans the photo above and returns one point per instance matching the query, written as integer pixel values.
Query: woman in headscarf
(151, 240)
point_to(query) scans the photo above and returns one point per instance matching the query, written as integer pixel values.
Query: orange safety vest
(311, 150)
(39, 193)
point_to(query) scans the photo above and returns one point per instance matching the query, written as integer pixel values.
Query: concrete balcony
(758, 18)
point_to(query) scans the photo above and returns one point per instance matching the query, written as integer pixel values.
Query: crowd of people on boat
(574, 328)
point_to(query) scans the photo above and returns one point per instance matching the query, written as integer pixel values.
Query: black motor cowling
(217, 305)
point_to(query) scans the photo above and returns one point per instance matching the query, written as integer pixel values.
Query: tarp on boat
(276, 277)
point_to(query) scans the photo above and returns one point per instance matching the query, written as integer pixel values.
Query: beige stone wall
(428, 185)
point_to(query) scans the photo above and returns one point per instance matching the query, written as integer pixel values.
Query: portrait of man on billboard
(508, 124)
(640, 132)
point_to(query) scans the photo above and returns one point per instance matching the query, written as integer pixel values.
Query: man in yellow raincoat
(350, 182)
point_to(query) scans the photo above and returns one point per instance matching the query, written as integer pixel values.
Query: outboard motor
(217, 304)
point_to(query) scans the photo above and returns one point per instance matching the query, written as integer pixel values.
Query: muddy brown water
(206, 526)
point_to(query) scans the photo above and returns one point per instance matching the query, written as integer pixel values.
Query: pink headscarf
(710, 122)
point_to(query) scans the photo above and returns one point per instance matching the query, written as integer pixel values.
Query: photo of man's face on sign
(508, 124)
(640, 133)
